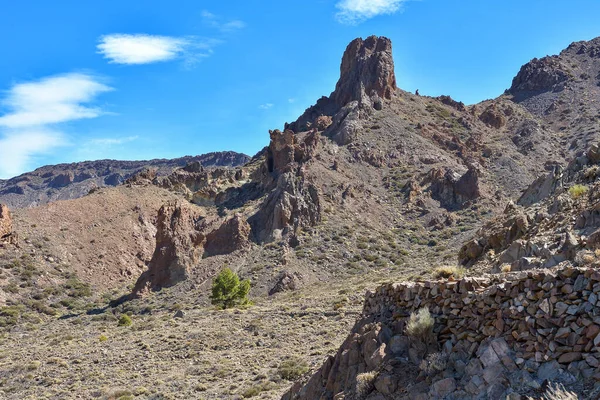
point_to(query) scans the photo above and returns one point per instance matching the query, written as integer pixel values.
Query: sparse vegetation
(557, 391)
(228, 291)
(365, 383)
(292, 369)
(446, 272)
(576, 191)
(125, 320)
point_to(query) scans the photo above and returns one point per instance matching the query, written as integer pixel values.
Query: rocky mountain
(370, 184)
(71, 181)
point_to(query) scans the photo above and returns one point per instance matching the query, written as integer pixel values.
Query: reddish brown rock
(231, 236)
(323, 122)
(367, 70)
(179, 240)
(367, 78)
(491, 116)
(5, 222)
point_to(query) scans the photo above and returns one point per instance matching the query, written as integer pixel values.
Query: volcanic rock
(5, 222)
(179, 240)
(367, 78)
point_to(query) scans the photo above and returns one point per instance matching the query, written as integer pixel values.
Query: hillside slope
(70, 181)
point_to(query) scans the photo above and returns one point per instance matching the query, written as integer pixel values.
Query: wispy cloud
(113, 141)
(146, 49)
(214, 21)
(51, 100)
(356, 11)
(291, 100)
(28, 127)
(19, 147)
(266, 106)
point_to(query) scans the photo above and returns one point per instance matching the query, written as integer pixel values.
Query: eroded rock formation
(5, 222)
(293, 201)
(367, 79)
(453, 190)
(183, 237)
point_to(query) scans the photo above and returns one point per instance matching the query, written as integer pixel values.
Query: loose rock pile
(494, 337)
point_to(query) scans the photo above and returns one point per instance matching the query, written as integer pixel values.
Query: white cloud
(356, 11)
(215, 21)
(33, 108)
(266, 106)
(291, 100)
(51, 100)
(141, 48)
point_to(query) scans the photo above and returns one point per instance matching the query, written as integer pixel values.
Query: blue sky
(146, 79)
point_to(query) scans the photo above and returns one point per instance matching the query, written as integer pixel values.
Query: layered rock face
(493, 338)
(5, 222)
(367, 78)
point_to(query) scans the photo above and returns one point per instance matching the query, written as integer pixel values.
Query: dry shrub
(420, 326)
(449, 271)
(365, 383)
(556, 391)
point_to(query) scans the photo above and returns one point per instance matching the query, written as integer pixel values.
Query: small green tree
(228, 291)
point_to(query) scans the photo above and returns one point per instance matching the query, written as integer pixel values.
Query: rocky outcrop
(493, 337)
(453, 190)
(293, 201)
(5, 222)
(493, 117)
(538, 75)
(367, 79)
(183, 237)
(285, 282)
(367, 72)
(179, 245)
(62, 180)
(231, 236)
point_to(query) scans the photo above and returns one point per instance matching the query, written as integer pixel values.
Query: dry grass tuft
(448, 271)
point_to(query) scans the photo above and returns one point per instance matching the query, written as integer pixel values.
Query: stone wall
(507, 335)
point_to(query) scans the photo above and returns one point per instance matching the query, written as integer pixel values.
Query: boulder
(286, 281)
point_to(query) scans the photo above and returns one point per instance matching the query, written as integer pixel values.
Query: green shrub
(577, 191)
(228, 291)
(125, 320)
